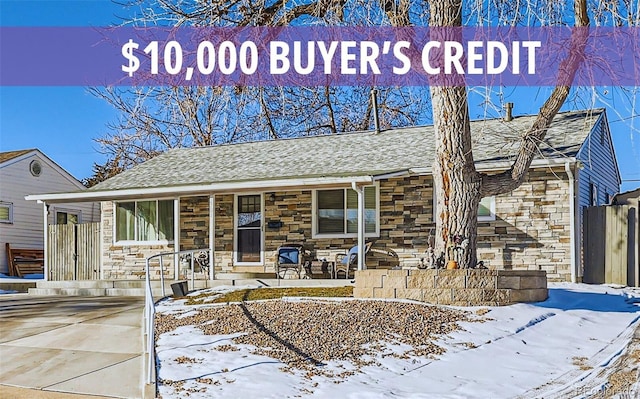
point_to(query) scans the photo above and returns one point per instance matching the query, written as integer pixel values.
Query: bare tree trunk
(458, 186)
(456, 182)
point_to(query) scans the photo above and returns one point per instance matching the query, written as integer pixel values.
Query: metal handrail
(150, 306)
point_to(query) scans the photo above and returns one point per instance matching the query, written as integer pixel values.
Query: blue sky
(60, 121)
(63, 121)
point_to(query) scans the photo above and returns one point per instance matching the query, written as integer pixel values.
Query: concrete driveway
(81, 345)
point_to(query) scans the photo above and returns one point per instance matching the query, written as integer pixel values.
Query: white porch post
(45, 219)
(360, 191)
(176, 239)
(212, 234)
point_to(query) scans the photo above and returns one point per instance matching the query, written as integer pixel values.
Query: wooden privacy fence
(610, 245)
(73, 251)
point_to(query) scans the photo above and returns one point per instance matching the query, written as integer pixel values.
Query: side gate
(610, 238)
(73, 251)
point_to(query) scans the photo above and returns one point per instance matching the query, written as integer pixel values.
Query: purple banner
(319, 56)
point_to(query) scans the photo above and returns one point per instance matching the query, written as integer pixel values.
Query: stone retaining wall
(463, 287)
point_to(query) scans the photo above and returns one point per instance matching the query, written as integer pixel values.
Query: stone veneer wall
(294, 210)
(128, 261)
(123, 262)
(531, 231)
(462, 287)
(194, 222)
(224, 233)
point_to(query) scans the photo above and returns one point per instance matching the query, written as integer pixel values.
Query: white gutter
(87, 196)
(572, 221)
(505, 165)
(361, 254)
(384, 176)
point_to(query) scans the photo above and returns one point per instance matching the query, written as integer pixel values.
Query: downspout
(45, 218)
(572, 221)
(361, 254)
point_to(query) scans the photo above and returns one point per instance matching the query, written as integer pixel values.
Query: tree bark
(458, 186)
(456, 182)
(509, 180)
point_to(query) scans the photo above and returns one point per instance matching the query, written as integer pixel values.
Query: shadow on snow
(610, 301)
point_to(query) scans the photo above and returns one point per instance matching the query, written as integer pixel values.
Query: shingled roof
(348, 154)
(9, 155)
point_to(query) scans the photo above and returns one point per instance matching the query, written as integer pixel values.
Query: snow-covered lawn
(554, 348)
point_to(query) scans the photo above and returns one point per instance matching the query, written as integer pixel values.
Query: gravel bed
(306, 334)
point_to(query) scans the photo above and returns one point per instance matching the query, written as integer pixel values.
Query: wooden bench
(23, 261)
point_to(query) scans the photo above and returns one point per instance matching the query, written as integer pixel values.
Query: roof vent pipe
(509, 108)
(374, 104)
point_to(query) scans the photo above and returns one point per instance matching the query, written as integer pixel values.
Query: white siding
(16, 181)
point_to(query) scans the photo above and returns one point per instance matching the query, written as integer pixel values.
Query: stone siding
(406, 213)
(531, 230)
(454, 287)
(224, 233)
(194, 222)
(532, 227)
(127, 262)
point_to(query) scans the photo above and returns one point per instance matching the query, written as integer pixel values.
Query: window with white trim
(144, 220)
(336, 212)
(487, 209)
(6, 212)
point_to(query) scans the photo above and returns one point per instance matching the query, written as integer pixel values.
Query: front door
(248, 229)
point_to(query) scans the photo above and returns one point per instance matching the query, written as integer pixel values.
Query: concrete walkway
(79, 345)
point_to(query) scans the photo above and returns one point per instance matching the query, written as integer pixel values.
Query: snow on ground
(36, 276)
(523, 350)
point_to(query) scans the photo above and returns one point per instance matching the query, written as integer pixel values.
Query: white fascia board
(504, 165)
(107, 195)
(399, 173)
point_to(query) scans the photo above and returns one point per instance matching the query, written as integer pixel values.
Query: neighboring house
(631, 198)
(22, 222)
(242, 201)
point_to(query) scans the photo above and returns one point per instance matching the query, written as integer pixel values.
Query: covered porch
(237, 230)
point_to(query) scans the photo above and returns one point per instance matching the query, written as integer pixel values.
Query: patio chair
(290, 257)
(349, 262)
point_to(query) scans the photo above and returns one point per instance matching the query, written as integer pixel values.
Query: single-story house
(242, 201)
(22, 222)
